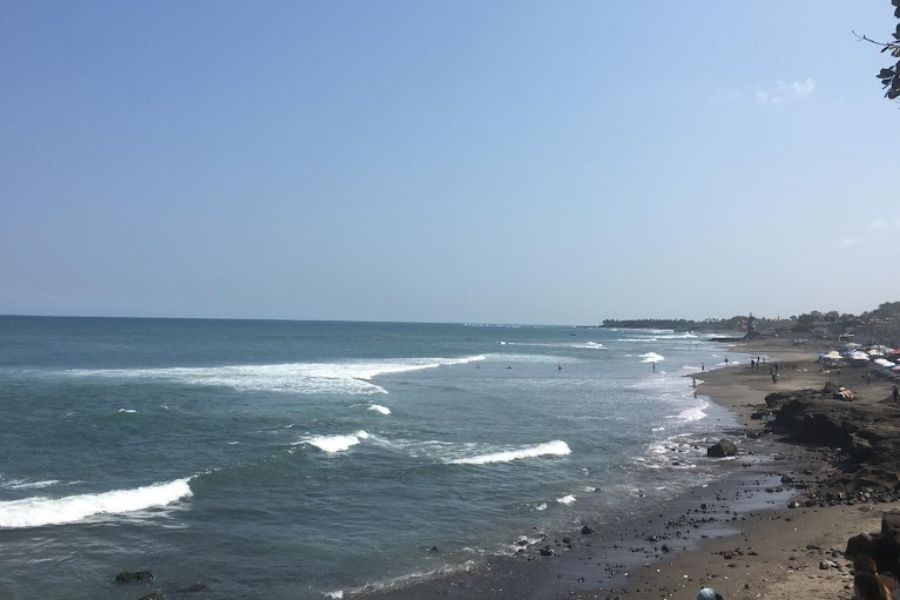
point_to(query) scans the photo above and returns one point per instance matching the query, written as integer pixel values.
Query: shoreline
(777, 554)
(737, 534)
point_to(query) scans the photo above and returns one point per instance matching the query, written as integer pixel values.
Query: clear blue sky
(511, 161)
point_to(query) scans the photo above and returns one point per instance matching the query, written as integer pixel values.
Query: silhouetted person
(895, 394)
(702, 367)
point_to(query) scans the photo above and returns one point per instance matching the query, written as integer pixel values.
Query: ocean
(288, 459)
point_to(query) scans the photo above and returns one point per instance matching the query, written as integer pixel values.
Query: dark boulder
(586, 530)
(721, 449)
(131, 576)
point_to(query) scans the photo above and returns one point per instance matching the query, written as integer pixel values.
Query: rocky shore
(776, 529)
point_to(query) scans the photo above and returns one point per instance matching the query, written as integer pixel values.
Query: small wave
(40, 511)
(335, 443)
(582, 345)
(401, 581)
(567, 499)
(694, 414)
(129, 411)
(541, 506)
(24, 484)
(380, 409)
(588, 346)
(554, 448)
(652, 357)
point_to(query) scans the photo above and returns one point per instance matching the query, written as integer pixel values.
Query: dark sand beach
(776, 529)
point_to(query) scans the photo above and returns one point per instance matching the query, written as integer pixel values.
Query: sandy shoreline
(776, 554)
(738, 535)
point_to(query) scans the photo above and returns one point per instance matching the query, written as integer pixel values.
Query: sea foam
(554, 448)
(335, 443)
(384, 410)
(652, 357)
(22, 484)
(310, 378)
(39, 511)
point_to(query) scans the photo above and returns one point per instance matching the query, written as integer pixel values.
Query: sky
(467, 161)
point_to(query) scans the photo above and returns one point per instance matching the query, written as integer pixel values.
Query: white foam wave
(541, 506)
(310, 378)
(380, 409)
(652, 357)
(554, 448)
(567, 499)
(589, 345)
(40, 511)
(24, 484)
(401, 581)
(335, 443)
(695, 413)
(129, 411)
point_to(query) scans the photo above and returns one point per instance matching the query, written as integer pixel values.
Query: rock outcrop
(868, 433)
(721, 449)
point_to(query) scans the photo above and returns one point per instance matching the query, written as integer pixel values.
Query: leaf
(892, 94)
(885, 73)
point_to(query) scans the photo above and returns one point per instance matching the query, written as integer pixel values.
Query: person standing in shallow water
(702, 367)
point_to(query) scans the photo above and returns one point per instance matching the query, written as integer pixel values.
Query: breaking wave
(589, 345)
(306, 378)
(652, 357)
(39, 511)
(384, 410)
(554, 448)
(335, 443)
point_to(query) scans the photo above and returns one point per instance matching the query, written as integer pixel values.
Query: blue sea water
(279, 459)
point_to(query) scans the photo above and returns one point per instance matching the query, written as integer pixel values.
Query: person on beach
(774, 372)
(702, 367)
(654, 367)
(895, 394)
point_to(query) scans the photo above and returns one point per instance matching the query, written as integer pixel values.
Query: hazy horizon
(509, 162)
